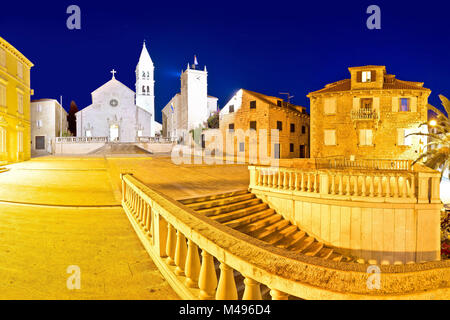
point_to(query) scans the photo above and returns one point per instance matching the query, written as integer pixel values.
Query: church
(119, 113)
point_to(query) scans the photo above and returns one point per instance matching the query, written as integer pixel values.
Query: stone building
(248, 110)
(368, 116)
(15, 95)
(190, 108)
(117, 112)
(48, 121)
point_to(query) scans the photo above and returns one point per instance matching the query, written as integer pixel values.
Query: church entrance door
(114, 133)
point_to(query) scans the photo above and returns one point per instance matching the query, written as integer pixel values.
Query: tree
(437, 152)
(213, 121)
(71, 118)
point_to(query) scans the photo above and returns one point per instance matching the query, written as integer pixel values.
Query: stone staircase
(243, 211)
(3, 169)
(120, 148)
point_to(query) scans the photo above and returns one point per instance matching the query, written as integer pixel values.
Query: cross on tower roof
(114, 73)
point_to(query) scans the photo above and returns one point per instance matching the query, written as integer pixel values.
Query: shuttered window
(330, 106)
(2, 95)
(330, 137)
(365, 137)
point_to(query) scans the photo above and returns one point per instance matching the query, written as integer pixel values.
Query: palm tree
(439, 156)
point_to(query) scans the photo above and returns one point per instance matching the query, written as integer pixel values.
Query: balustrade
(368, 185)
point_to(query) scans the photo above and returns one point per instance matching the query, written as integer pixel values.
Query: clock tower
(194, 95)
(145, 85)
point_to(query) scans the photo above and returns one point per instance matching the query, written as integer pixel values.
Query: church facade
(119, 113)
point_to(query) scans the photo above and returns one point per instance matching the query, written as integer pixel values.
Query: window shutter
(413, 106)
(374, 76)
(355, 103)
(359, 76)
(395, 104)
(369, 137)
(362, 137)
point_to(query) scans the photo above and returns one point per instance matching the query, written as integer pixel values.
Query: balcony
(364, 114)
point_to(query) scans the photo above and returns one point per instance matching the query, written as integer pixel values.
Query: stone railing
(153, 140)
(362, 185)
(366, 164)
(82, 139)
(188, 247)
(364, 114)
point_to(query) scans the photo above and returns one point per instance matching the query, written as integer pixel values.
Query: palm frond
(445, 103)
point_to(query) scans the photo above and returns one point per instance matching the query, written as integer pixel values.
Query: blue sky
(269, 47)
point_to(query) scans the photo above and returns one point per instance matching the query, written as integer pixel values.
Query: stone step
(260, 223)
(270, 229)
(281, 234)
(3, 170)
(291, 241)
(302, 245)
(250, 218)
(325, 253)
(230, 207)
(213, 197)
(241, 213)
(335, 257)
(313, 249)
(220, 202)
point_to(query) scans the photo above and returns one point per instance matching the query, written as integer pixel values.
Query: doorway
(114, 133)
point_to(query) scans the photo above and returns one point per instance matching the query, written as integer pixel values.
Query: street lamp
(433, 123)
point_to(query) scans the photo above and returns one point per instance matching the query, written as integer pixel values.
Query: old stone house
(368, 116)
(248, 110)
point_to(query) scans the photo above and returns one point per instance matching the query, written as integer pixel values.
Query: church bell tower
(145, 85)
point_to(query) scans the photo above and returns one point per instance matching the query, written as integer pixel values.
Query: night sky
(268, 47)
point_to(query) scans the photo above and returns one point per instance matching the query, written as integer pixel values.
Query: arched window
(143, 89)
(143, 74)
(148, 74)
(148, 90)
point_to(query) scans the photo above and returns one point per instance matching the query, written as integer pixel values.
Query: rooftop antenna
(289, 97)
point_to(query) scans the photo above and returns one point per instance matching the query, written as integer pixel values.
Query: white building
(48, 121)
(190, 108)
(119, 113)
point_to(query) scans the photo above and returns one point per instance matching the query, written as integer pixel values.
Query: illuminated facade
(368, 116)
(15, 95)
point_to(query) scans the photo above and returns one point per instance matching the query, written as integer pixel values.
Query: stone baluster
(258, 179)
(309, 182)
(296, 181)
(180, 254)
(302, 185)
(265, 178)
(252, 290)
(372, 186)
(396, 186)
(388, 186)
(226, 289)
(192, 267)
(148, 221)
(341, 191)
(207, 281)
(405, 187)
(347, 187)
(278, 295)
(355, 186)
(279, 180)
(363, 185)
(413, 187)
(285, 182)
(333, 184)
(291, 180)
(171, 244)
(380, 186)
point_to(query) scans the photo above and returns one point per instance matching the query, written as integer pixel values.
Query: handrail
(81, 139)
(169, 229)
(376, 164)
